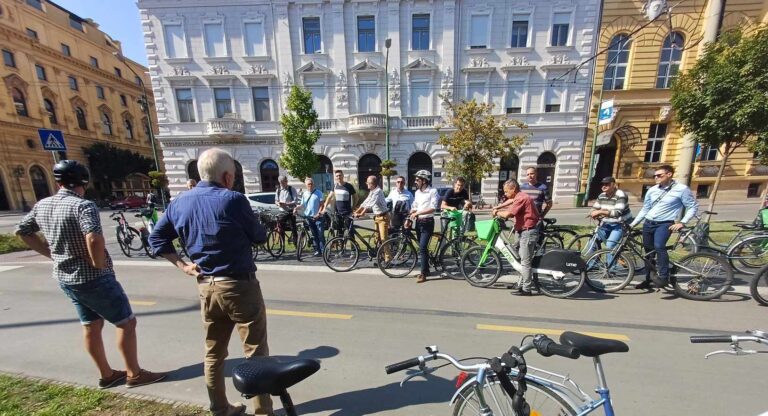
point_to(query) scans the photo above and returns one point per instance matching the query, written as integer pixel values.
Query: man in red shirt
(527, 218)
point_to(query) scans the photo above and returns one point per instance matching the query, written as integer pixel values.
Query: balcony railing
(327, 124)
(367, 123)
(421, 122)
(231, 126)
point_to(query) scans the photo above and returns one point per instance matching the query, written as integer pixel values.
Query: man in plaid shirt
(72, 237)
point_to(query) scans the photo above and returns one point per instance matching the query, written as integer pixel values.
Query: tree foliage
(158, 180)
(477, 140)
(108, 163)
(300, 133)
(722, 100)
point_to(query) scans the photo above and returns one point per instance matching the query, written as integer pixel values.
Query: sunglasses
(399, 182)
(658, 175)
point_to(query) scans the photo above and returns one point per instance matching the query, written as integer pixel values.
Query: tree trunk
(726, 155)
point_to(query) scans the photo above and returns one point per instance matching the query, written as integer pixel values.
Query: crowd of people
(219, 228)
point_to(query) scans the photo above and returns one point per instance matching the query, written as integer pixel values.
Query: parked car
(263, 200)
(129, 202)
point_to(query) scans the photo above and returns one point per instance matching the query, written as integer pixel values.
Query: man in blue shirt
(219, 228)
(661, 207)
(310, 203)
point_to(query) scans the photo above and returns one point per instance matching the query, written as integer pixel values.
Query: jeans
(102, 298)
(424, 229)
(655, 236)
(527, 250)
(318, 238)
(609, 233)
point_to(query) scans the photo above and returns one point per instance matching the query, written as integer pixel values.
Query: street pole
(387, 44)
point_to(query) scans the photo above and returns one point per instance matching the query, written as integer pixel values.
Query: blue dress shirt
(669, 206)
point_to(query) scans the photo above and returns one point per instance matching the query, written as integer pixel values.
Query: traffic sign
(52, 139)
(606, 113)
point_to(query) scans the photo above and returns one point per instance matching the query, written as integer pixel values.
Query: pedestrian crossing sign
(52, 139)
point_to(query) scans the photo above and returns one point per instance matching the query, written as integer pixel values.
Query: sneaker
(644, 285)
(145, 377)
(234, 409)
(421, 278)
(316, 254)
(523, 292)
(116, 377)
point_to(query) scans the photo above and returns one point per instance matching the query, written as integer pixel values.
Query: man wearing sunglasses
(400, 200)
(612, 209)
(661, 208)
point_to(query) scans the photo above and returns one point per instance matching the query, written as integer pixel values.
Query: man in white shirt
(376, 203)
(400, 199)
(424, 206)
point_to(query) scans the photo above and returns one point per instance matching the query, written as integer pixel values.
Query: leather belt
(234, 277)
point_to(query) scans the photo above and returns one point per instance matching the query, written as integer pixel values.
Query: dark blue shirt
(217, 225)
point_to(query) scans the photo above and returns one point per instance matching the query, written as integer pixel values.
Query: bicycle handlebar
(701, 339)
(403, 365)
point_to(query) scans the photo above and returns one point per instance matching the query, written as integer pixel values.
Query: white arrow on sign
(53, 143)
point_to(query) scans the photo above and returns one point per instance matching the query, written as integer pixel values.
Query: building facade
(636, 73)
(59, 72)
(221, 74)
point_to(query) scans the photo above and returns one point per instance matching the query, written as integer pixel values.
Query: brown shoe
(116, 377)
(421, 279)
(235, 409)
(145, 377)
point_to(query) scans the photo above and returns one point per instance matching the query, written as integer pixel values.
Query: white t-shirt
(425, 199)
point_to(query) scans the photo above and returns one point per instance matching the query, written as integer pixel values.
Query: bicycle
(128, 238)
(696, 276)
(586, 244)
(553, 236)
(507, 385)
(557, 273)
(342, 253)
(279, 234)
(754, 335)
(266, 375)
(481, 204)
(304, 239)
(443, 254)
(758, 287)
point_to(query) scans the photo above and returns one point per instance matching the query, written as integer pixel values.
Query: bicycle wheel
(122, 241)
(275, 244)
(477, 274)
(550, 241)
(749, 255)
(758, 287)
(609, 276)
(542, 400)
(581, 244)
(701, 276)
(450, 256)
(341, 254)
(255, 251)
(566, 236)
(304, 248)
(560, 286)
(403, 257)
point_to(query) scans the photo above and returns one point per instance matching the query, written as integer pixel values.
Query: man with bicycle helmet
(74, 240)
(424, 206)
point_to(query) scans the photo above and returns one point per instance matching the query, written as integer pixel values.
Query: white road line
(9, 268)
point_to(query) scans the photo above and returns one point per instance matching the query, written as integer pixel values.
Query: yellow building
(61, 72)
(636, 74)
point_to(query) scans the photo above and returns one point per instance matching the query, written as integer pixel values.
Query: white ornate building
(221, 71)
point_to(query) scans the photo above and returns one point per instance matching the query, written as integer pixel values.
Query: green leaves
(108, 163)
(300, 133)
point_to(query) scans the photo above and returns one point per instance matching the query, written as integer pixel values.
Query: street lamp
(144, 104)
(18, 173)
(387, 44)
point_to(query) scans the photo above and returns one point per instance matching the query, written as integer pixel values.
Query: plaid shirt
(65, 219)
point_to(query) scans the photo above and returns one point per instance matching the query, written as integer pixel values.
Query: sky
(118, 18)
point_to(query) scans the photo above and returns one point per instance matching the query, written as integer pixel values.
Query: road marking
(308, 314)
(529, 331)
(9, 268)
(142, 303)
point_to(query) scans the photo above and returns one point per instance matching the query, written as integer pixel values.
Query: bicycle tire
(255, 251)
(341, 254)
(749, 255)
(581, 244)
(550, 242)
(560, 287)
(603, 277)
(404, 257)
(303, 246)
(692, 275)
(566, 235)
(275, 244)
(121, 241)
(147, 248)
(758, 287)
(541, 399)
(449, 259)
(480, 275)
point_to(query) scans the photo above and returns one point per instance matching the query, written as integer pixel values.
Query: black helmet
(71, 173)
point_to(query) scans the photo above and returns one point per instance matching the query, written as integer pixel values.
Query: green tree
(722, 100)
(108, 163)
(300, 133)
(388, 171)
(477, 139)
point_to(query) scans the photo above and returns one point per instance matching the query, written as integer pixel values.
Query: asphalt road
(358, 322)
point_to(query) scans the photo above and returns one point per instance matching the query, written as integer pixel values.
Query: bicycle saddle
(266, 375)
(592, 346)
(549, 221)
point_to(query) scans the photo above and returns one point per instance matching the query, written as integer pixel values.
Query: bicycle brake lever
(423, 371)
(736, 351)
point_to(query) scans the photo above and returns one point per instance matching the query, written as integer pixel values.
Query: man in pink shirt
(520, 207)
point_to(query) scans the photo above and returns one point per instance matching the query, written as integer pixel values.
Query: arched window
(616, 62)
(39, 182)
(239, 185)
(51, 110)
(368, 165)
(82, 124)
(417, 162)
(106, 124)
(269, 172)
(128, 128)
(20, 102)
(669, 62)
(192, 172)
(545, 170)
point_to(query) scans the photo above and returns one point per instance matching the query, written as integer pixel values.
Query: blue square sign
(52, 139)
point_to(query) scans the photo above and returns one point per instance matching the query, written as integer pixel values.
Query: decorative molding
(394, 88)
(341, 90)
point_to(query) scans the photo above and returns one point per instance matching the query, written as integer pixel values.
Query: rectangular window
(753, 190)
(32, 33)
(366, 34)
(223, 98)
(94, 62)
(702, 191)
(214, 40)
(76, 24)
(185, 105)
(420, 32)
(519, 32)
(707, 153)
(123, 100)
(38, 4)
(554, 99)
(476, 91)
(65, 50)
(311, 27)
(478, 31)
(254, 39)
(319, 93)
(175, 45)
(9, 59)
(656, 135)
(118, 72)
(368, 96)
(41, 73)
(261, 104)
(420, 98)
(560, 24)
(515, 91)
(99, 92)
(73, 83)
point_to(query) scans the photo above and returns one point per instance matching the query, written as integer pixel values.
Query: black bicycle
(128, 238)
(342, 253)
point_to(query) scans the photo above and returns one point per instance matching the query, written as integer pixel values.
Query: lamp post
(18, 173)
(387, 44)
(144, 104)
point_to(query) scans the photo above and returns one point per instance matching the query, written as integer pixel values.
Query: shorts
(102, 298)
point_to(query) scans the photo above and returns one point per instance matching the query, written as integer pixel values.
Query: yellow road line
(142, 303)
(531, 331)
(308, 314)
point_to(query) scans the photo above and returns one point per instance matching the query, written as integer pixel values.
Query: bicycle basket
(762, 218)
(485, 229)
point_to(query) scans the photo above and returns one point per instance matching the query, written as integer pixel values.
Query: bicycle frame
(500, 243)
